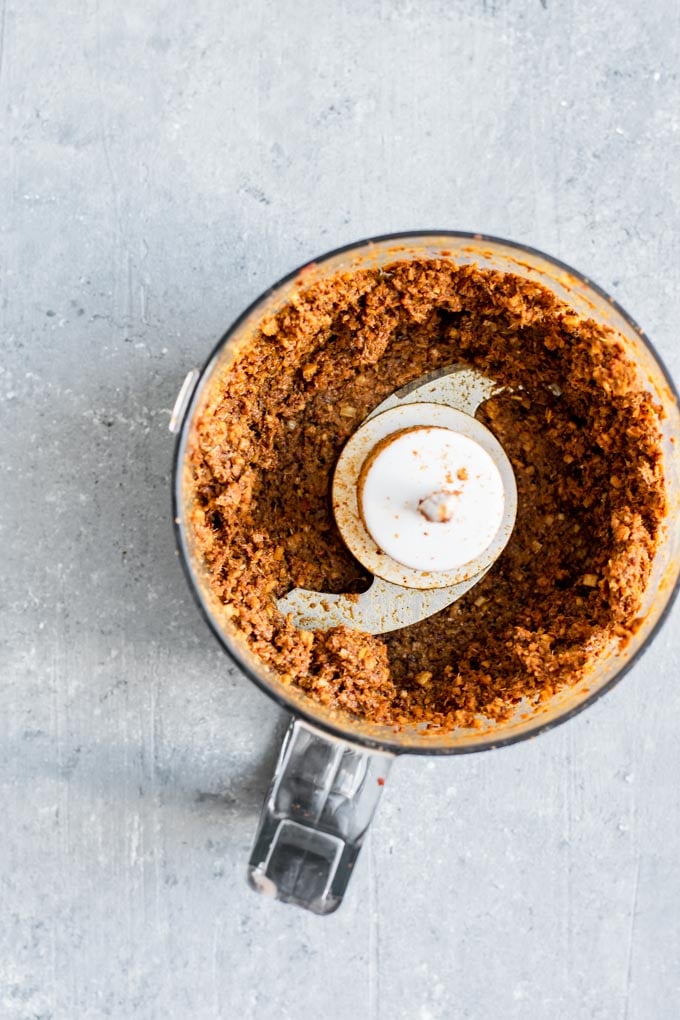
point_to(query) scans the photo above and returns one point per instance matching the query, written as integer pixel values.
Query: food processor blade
(399, 596)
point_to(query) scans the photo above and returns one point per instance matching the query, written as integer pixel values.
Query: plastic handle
(316, 813)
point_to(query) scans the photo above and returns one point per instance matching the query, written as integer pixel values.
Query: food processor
(427, 536)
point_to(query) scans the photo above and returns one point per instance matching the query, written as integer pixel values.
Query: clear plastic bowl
(355, 749)
(586, 298)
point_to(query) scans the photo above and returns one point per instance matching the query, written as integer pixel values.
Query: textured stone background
(163, 162)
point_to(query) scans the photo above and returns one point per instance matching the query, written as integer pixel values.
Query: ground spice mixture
(582, 437)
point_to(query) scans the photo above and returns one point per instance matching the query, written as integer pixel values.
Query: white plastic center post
(431, 498)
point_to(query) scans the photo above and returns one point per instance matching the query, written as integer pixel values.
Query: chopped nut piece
(270, 327)
(423, 678)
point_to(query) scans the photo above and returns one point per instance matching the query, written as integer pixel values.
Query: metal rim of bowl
(322, 724)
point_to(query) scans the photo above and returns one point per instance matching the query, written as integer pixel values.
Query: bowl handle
(321, 800)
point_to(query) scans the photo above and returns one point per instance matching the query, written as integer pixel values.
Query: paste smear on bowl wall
(583, 439)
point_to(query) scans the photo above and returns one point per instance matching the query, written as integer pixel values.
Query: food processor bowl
(333, 766)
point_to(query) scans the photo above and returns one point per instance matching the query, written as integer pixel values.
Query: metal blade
(384, 607)
(457, 386)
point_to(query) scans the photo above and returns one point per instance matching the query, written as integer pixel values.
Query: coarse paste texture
(583, 438)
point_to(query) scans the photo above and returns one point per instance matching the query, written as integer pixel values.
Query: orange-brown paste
(582, 436)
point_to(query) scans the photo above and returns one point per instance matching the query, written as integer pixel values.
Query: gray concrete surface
(162, 163)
